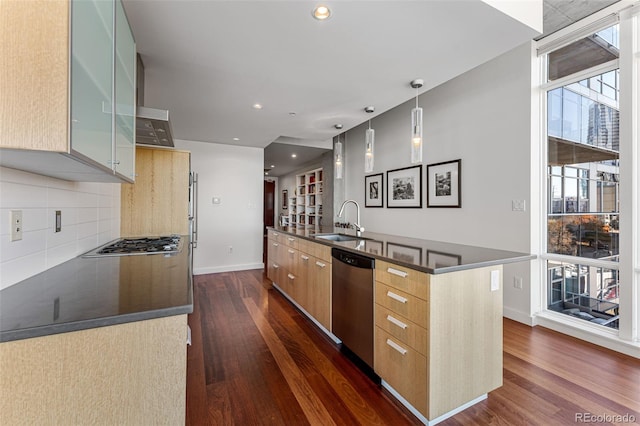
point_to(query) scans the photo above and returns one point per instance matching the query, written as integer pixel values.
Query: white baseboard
(227, 268)
(583, 330)
(519, 316)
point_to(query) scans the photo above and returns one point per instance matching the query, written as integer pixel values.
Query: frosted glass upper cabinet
(68, 97)
(125, 88)
(92, 41)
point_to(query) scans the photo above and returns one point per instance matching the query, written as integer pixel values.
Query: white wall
(484, 118)
(235, 175)
(90, 217)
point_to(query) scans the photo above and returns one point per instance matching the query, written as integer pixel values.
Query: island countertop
(432, 257)
(93, 292)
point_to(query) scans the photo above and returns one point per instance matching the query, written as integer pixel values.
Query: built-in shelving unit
(305, 208)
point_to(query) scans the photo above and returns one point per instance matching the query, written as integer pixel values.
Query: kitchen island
(437, 314)
(97, 341)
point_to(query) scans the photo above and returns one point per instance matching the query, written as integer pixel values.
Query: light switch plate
(495, 280)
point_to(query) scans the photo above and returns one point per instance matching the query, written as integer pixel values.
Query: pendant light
(369, 142)
(337, 152)
(416, 126)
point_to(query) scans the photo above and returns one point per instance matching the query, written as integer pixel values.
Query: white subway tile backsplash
(17, 195)
(61, 253)
(19, 269)
(31, 242)
(90, 217)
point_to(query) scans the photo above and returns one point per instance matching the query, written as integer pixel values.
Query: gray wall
(484, 118)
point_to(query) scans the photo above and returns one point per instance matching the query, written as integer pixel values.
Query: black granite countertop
(433, 257)
(93, 292)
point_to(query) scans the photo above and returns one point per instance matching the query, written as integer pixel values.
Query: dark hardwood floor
(256, 360)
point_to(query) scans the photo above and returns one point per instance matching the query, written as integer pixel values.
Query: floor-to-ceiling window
(585, 169)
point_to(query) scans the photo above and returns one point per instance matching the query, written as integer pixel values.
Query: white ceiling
(208, 62)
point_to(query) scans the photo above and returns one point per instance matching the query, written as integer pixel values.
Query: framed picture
(285, 199)
(373, 247)
(436, 259)
(444, 184)
(374, 190)
(404, 187)
(406, 254)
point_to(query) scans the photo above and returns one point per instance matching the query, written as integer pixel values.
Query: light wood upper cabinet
(58, 115)
(158, 203)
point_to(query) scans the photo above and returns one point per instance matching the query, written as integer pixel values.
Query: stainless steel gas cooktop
(137, 246)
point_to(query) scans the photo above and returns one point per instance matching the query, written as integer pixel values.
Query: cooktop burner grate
(146, 245)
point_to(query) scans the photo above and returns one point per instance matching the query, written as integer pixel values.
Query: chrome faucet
(356, 225)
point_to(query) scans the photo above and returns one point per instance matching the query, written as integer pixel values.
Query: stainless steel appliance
(167, 245)
(352, 302)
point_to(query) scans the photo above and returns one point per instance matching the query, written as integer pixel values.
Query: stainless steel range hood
(153, 127)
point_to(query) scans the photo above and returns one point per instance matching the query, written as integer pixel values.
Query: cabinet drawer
(402, 303)
(274, 235)
(402, 329)
(408, 280)
(289, 240)
(274, 250)
(318, 250)
(402, 367)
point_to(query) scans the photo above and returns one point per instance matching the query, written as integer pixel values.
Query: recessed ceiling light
(266, 173)
(236, 139)
(293, 155)
(272, 166)
(257, 106)
(321, 12)
(292, 114)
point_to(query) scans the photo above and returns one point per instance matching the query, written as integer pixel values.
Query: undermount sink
(339, 237)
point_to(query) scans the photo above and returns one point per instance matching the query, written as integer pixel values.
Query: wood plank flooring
(256, 360)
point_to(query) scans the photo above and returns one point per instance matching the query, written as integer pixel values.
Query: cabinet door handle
(396, 346)
(396, 322)
(396, 297)
(304, 257)
(291, 251)
(276, 244)
(291, 239)
(320, 264)
(291, 277)
(397, 272)
(275, 234)
(276, 266)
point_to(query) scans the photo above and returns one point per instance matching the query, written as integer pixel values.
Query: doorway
(269, 213)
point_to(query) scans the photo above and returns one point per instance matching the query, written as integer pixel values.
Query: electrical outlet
(517, 282)
(16, 225)
(518, 205)
(230, 249)
(495, 280)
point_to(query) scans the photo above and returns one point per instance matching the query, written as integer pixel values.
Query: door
(269, 206)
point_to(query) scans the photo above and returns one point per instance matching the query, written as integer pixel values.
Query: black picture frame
(285, 199)
(404, 188)
(444, 184)
(374, 190)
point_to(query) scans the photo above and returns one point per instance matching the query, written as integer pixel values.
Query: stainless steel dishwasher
(352, 302)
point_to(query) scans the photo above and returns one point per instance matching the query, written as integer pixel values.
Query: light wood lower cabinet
(302, 269)
(438, 338)
(126, 374)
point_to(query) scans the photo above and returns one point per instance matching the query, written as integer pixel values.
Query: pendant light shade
(339, 160)
(416, 127)
(369, 144)
(369, 141)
